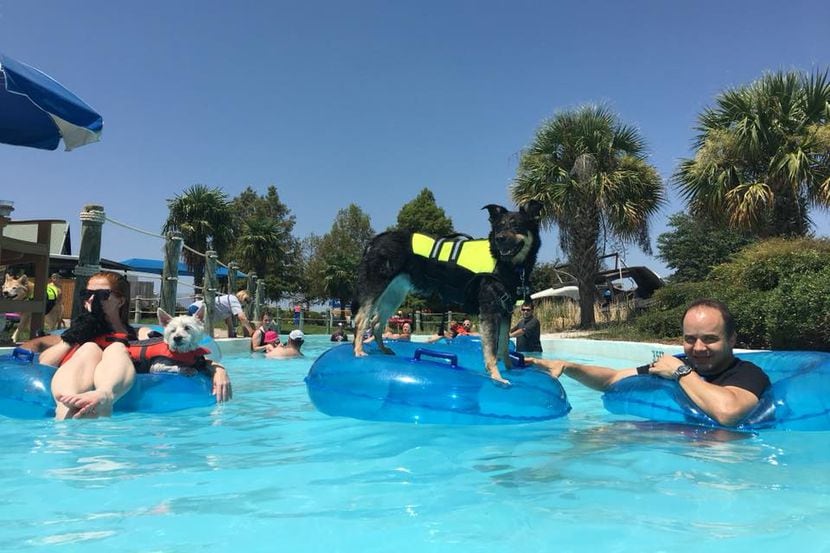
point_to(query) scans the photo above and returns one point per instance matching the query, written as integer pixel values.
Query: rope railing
(95, 215)
(191, 250)
(136, 229)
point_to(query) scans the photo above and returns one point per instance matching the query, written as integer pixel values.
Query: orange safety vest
(144, 351)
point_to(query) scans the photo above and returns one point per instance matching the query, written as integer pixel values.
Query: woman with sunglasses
(94, 367)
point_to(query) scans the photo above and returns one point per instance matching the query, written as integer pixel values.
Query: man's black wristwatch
(682, 371)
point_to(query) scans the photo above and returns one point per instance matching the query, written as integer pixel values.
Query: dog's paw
(498, 379)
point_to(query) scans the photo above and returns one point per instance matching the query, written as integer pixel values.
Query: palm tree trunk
(580, 245)
(789, 212)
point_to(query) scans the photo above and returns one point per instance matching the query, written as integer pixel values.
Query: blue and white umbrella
(37, 111)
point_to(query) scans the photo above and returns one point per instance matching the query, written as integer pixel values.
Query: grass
(612, 323)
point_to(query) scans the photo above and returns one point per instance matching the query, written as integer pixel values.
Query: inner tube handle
(23, 354)
(451, 357)
(518, 359)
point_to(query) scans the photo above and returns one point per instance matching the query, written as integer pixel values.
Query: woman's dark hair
(728, 319)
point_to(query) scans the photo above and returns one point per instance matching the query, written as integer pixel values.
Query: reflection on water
(268, 464)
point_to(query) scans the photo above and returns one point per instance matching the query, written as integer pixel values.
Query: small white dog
(178, 351)
(183, 333)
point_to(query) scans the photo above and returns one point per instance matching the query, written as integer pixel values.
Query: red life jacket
(101, 341)
(144, 351)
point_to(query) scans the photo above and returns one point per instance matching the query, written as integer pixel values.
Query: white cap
(296, 335)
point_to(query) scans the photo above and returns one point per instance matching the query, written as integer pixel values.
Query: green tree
(763, 155)
(590, 173)
(333, 258)
(265, 244)
(547, 275)
(775, 288)
(423, 215)
(695, 246)
(204, 218)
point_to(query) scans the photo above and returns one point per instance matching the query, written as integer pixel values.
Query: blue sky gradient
(370, 101)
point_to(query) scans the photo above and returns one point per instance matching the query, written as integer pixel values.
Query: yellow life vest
(52, 291)
(473, 255)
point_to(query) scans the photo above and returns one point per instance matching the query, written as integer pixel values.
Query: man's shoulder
(746, 375)
(744, 365)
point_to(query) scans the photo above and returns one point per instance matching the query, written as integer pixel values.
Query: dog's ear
(164, 316)
(495, 211)
(24, 279)
(532, 209)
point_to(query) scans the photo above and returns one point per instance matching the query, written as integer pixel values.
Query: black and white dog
(484, 276)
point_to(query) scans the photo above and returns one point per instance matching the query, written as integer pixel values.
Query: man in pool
(719, 383)
(290, 349)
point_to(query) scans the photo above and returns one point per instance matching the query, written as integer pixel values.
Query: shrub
(663, 319)
(798, 312)
(778, 290)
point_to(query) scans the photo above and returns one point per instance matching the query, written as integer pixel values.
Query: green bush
(778, 290)
(663, 319)
(798, 311)
(762, 265)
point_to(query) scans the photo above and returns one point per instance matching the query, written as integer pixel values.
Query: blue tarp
(155, 266)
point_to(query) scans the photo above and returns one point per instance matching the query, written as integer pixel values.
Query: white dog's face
(182, 333)
(16, 288)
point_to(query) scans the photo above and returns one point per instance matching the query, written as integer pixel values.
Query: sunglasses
(525, 309)
(102, 295)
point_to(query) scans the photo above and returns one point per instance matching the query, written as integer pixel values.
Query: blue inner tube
(799, 398)
(25, 390)
(429, 383)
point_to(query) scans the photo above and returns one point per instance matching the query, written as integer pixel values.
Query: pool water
(267, 472)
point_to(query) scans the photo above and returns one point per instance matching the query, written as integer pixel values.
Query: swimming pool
(267, 472)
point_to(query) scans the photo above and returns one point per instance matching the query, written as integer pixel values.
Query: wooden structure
(23, 252)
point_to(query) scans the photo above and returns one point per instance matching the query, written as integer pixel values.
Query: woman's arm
(221, 382)
(256, 338)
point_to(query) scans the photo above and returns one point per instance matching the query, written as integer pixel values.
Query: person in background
(527, 331)
(442, 333)
(259, 340)
(339, 334)
(720, 384)
(94, 367)
(226, 307)
(404, 336)
(53, 296)
(290, 349)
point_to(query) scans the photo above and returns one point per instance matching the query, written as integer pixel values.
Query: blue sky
(369, 102)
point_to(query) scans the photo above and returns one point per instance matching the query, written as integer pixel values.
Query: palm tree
(589, 172)
(203, 216)
(259, 244)
(763, 155)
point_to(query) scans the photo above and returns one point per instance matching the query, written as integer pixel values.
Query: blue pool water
(267, 472)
